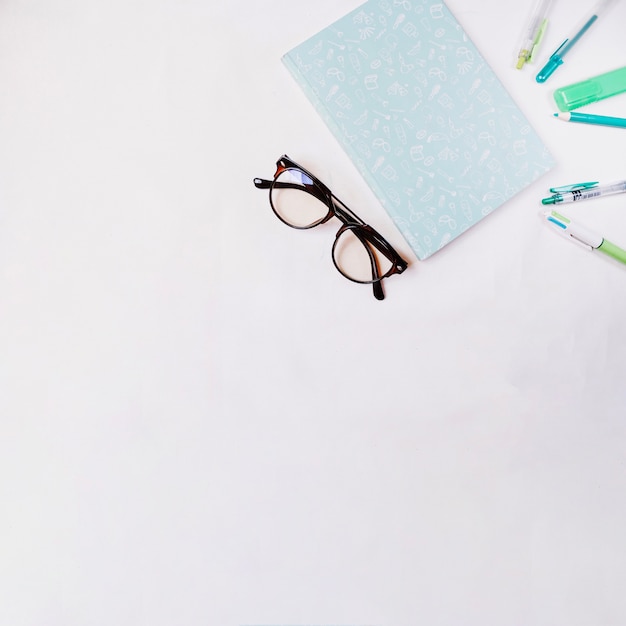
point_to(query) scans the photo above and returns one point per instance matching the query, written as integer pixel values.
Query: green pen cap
(591, 90)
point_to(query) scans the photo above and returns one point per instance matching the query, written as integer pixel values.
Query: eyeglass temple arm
(343, 212)
(377, 283)
(375, 238)
(379, 294)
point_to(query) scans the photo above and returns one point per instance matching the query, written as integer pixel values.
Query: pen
(557, 56)
(583, 191)
(534, 33)
(586, 118)
(583, 236)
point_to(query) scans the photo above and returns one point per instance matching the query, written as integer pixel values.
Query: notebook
(427, 123)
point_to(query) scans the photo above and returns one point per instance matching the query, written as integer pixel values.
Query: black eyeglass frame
(368, 236)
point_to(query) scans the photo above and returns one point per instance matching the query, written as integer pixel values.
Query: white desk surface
(202, 423)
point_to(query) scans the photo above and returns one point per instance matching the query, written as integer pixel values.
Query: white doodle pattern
(425, 119)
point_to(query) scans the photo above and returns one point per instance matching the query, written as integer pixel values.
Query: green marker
(591, 90)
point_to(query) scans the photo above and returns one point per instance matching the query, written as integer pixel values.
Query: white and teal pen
(583, 191)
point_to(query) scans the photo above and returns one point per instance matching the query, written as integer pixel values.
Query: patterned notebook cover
(424, 118)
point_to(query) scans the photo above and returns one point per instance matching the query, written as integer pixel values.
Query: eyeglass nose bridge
(280, 168)
(285, 163)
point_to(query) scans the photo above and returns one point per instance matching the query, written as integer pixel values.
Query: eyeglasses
(302, 201)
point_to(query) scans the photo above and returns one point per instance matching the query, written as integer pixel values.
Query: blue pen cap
(591, 90)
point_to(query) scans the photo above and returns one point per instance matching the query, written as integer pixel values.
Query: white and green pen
(534, 33)
(583, 236)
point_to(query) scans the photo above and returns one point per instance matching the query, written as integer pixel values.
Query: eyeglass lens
(293, 200)
(357, 259)
(297, 201)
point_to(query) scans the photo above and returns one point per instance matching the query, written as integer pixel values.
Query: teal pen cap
(591, 90)
(553, 62)
(552, 199)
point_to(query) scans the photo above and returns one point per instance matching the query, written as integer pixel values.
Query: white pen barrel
(584, 235)
(618, 187)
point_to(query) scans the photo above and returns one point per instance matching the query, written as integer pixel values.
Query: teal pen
(584, 191)
(557, 56)
(586, 118)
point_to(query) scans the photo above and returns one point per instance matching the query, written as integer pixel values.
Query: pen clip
(577, 241)
(558, 50)
(540, 33)
(574, 187)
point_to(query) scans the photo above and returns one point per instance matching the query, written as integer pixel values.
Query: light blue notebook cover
(424, 118)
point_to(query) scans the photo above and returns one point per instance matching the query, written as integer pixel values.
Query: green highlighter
(591, 90)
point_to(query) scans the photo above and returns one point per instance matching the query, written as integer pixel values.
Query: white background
(203, 423)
